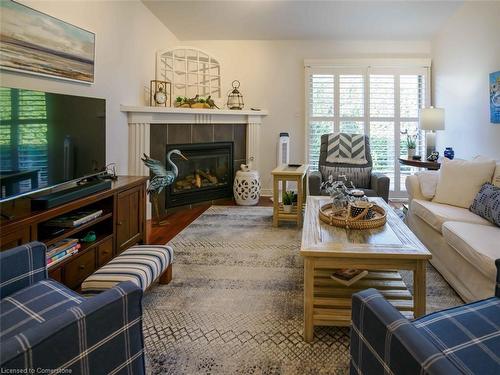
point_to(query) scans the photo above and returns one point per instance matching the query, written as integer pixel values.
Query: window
(23, 133)
(379, 102)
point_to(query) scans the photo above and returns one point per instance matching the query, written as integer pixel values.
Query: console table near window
(430, 165)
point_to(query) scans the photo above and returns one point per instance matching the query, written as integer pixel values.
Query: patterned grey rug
(235, 303)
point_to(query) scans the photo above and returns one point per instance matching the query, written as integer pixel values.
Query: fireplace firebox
(206, 175)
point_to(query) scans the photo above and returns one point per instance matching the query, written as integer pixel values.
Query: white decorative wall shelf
(140, 118)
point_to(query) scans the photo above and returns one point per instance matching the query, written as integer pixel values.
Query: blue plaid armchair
(460, 340)
(45, 325)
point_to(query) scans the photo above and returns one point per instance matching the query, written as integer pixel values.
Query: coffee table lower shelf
(332, 300)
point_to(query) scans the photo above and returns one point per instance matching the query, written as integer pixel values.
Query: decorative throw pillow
(496, 175)
(487, 203)
(460, 180)
(346, 148)
(428, 181)
(360, 177)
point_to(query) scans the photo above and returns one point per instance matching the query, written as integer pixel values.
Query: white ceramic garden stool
(246, 187)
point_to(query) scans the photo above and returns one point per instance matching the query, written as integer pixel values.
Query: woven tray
(342, 217)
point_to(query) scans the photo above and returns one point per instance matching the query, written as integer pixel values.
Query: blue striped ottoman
(141, 264)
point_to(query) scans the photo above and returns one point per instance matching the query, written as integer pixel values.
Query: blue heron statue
(162, 177)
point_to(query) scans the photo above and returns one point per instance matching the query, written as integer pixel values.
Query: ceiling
(303, 20)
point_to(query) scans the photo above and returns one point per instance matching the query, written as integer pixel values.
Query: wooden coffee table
(382, 251)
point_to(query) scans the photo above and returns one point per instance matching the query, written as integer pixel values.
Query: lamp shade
(431, 118)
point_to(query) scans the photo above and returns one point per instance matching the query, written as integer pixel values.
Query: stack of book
(62, 250)
(348, 276)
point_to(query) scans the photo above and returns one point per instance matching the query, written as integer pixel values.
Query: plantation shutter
(380, 102)
(351, 103)
(382, 113)
(412, 97)
(321, 88)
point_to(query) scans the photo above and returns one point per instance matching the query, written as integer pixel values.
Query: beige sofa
(464, 246)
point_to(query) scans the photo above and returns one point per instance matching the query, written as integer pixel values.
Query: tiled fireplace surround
(162, 135)
(151, 129)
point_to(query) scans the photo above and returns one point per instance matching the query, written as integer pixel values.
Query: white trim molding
(140, 118)
(369, 62)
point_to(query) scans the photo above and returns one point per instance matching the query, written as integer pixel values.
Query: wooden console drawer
(56, 274)
(104, 252)
(77, 270)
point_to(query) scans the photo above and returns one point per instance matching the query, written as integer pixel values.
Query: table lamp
(431, 119)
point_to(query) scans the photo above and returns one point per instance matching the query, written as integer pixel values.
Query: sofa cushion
(436, 214)
(467, 335)
(359, 176)
(496, 176)
(487, 203)
(460, 180)
(34, 305)
(477, 244)
(428, 181)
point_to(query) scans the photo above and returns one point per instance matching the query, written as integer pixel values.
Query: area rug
(235, 303)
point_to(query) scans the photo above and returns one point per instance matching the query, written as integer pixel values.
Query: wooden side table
(431, 165)
(282, 174)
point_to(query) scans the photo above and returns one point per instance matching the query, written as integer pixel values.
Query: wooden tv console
(122, 224)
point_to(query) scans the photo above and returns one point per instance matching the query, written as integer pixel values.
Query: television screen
(47, 139)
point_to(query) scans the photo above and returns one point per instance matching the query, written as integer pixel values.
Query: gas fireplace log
(208, 176)
(183, 184)
(198, 181)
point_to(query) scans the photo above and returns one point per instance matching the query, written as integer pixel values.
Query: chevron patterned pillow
(346, 148)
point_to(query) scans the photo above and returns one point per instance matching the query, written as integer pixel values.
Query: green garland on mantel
(196, 102)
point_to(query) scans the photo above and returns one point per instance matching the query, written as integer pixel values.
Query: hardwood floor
(175, 222)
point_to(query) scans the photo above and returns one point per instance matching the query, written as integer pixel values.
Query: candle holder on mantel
(235, 99)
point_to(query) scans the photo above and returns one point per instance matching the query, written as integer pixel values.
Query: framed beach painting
(495, 97)
(36, 43)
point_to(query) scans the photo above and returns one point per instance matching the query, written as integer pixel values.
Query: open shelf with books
(82, 235)
(69, 232)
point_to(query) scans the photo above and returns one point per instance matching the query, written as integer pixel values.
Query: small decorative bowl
(357, 193)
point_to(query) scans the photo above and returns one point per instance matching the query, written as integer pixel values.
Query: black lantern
(235, 99)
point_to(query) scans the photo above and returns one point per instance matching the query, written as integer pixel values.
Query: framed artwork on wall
(495, 97)
(36, 43)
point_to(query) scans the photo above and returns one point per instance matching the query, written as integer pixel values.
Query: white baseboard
(266, 192)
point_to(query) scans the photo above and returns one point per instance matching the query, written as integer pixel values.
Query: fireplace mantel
(169, 115)
(140, 118)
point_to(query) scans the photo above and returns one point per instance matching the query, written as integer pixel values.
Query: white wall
(464, 52)
(272, 77)
(127, 38)
(271, 72)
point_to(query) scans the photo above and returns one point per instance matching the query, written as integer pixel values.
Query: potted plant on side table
(411, 145)
(288, 198)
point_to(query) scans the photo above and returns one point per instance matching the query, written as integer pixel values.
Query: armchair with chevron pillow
(345, 154)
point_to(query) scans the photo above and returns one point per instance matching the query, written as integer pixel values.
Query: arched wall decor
(191, 72)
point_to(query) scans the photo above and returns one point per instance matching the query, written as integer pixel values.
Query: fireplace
(206, 175)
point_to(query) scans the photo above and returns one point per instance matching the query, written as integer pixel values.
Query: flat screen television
(48, 139)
